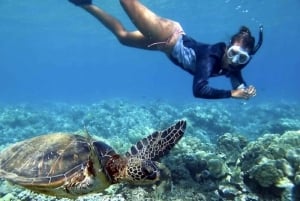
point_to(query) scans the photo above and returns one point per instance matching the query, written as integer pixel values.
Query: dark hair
(244, 37)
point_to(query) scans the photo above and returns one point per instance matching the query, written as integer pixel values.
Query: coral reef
(273, 162)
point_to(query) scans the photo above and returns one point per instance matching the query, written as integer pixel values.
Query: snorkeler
(203, 61)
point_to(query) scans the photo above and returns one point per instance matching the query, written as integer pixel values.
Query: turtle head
(133, 170)
(142, 171)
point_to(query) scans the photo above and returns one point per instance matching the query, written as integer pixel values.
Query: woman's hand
(244, 93)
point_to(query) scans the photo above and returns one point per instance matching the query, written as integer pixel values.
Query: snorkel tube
(260, 40)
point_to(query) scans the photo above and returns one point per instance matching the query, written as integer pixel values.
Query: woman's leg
(154, 32)
(132, 39)
(155, 28)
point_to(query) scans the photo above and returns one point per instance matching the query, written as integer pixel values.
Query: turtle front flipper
(158, 143)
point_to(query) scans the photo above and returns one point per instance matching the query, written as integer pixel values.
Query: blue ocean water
(53, 51)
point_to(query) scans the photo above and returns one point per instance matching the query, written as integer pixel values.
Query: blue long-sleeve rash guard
(208, 64)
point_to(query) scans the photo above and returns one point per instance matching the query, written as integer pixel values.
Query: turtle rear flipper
(158, 143)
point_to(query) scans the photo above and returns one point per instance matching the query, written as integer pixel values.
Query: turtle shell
(56, 163)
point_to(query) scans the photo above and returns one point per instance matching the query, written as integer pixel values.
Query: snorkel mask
(237, 55)
(240, 56)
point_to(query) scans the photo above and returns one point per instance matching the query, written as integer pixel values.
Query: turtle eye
(150, 170)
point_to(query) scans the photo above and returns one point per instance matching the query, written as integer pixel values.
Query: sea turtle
(68, 165)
